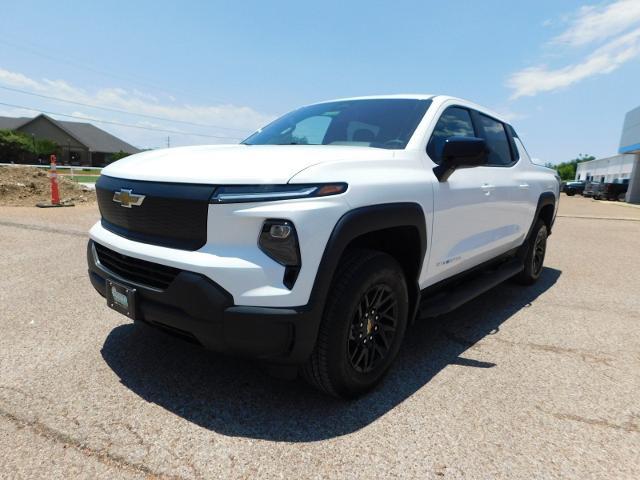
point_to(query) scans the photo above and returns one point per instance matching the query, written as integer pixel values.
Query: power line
(33, 49)
(77, 117)
(115, 110)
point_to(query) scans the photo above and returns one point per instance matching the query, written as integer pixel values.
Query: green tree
(567, 170)
(117, 156)
(18, 146)
(45, 147)
(14, 146)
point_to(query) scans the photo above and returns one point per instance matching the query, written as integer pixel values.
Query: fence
(76, 174)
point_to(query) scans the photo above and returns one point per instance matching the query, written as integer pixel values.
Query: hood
(235, 164)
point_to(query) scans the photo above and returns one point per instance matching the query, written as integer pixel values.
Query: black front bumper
(196, 308)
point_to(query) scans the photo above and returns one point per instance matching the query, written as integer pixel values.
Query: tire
(355, 348)
(570, 193)
(536, 249)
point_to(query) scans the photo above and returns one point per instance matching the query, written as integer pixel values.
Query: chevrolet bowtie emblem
(126, 198)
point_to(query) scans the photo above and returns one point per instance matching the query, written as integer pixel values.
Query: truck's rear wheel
(536, 249)
(364, 321)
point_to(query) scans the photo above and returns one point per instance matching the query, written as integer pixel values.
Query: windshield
(381, 123)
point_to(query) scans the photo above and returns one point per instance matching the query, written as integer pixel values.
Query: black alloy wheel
(372, 328)
(363, 324)
(539, 250)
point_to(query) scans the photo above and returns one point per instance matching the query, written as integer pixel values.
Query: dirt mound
(26, 186)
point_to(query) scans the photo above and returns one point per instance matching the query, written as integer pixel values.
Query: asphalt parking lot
(539, 382)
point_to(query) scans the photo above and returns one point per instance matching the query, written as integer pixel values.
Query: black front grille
(136, 270)
(171, 214)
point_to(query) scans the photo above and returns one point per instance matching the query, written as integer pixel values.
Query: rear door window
(497, 140)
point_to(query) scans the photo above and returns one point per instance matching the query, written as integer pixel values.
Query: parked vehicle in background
(571, 188)
(315, 243)
(611, 191)
(590, 188)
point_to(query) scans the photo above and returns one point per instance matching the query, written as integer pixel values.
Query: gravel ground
(22, 185)
(540, 382)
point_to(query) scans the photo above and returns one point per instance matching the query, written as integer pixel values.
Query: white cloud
(616, 24)
(509, 115)
(606, 59)
(595, 23)
(219, 120)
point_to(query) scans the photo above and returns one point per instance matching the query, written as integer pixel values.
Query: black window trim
(509, 131)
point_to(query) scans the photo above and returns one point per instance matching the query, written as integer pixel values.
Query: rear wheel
(363, 325)
(535, 252)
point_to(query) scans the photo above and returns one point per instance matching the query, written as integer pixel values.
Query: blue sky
(563, 72)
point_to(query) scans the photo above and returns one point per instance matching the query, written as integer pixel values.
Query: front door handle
(524, 185)
(487, 188)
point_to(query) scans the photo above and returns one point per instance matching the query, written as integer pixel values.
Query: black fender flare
(360, 221)
(546, 198)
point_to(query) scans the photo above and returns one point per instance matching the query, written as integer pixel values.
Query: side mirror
(461, 152)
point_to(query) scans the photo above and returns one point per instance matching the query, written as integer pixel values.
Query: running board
(467, 290)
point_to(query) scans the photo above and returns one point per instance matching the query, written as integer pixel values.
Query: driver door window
(454, 122)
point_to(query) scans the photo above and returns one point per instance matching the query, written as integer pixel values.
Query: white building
(611, 169)
(624, 168)
(630, 145)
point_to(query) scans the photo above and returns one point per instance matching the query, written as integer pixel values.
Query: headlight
(265, 193)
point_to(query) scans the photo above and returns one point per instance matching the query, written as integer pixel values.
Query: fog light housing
(279, 240)
(281, 231)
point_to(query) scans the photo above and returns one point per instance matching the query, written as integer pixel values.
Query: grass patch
(82, 178)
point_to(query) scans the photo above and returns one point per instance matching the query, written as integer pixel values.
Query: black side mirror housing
(461, 152)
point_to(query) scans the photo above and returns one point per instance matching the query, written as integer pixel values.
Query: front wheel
(536, 249)
(363, 325)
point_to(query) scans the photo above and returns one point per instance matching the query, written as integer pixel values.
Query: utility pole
(168, 141)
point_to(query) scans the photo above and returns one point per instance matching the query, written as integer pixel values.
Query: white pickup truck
(315, 243)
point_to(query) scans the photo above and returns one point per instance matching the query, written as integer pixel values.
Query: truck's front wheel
(364, 321)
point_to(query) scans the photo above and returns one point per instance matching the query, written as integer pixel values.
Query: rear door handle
(524, 185)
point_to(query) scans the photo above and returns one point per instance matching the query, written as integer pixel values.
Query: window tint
(497, 141)
(380, 123)
(454, 122)
(310, 131)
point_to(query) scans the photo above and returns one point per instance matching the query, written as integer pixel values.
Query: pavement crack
(631, 425)
(458, 339)
(589, 357)
(585, 356)
(590, 217)
(44, 228)
(66, 440)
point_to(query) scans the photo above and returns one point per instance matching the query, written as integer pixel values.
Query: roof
(11, 123)
(92, 137)
(423, 96)
(593, 163)
(96, 139)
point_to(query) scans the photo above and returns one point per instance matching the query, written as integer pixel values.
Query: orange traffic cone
(55, 192)
(53, 175)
